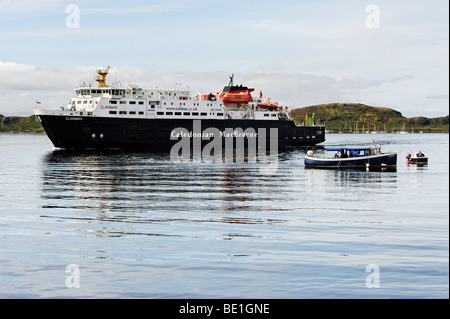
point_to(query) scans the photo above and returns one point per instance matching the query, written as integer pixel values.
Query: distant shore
(357, 117)
(16, 124)
(337, 118)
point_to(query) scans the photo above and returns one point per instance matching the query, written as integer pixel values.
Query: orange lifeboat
(236, 93)
(268, 105)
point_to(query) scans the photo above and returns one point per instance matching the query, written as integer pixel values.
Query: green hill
(20, 124)
(335, 116)
(351, 116)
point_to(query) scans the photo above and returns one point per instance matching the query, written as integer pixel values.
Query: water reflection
(368, 179)
(112, 188)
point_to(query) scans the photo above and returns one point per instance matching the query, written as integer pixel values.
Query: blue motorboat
(353, 157)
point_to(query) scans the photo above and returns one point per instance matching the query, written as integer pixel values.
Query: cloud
(437, 96)
(127, 9)
(21, 6)
(64, 32)
(272, 25)
(401, 78)
(21, 85)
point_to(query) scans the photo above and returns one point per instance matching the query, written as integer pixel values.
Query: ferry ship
(131, 116)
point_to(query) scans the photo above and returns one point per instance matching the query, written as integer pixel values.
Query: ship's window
(203, 114)
(78, 102)
(219, 114)
(112, 112)
(177, 113)
(169, 113)
(123, 102)
(160, 113)
(113, 102)
(122, 112)
(132, 112)
(141, 113)
(186, 113)
(195, 113)
(141, 102)
(132, 102)
(85, 102)
(273, 115)
(266, 114)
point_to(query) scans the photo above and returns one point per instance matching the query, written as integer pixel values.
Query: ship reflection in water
(112, 193)
(117, 189)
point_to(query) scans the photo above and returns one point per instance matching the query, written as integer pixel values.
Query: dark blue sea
(112, 224)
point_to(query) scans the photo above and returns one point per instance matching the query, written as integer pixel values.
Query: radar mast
(101, 78)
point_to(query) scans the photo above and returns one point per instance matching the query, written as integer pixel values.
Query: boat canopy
(353, 151)
(331, 149)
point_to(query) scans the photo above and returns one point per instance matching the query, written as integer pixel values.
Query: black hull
(418, 160)
(108, 133)
(388, 160)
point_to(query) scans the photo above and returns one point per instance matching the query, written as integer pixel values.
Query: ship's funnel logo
(232, 145)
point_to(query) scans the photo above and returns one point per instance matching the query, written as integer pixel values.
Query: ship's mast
(231, 80)
(101, 80)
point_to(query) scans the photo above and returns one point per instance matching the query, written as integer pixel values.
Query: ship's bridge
(99, 92)
(132, 91)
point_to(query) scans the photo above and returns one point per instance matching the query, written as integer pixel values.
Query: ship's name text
(207, 135)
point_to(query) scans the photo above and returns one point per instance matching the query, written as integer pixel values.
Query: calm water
(138, 225)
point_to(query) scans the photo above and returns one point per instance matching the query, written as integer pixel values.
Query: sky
(388, 53)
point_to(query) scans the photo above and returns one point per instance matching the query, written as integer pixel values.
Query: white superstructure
(134, 101)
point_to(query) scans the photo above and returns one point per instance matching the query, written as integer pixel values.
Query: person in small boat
(344, 154)
(420, 154)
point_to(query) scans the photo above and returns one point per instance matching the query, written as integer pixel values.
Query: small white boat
(417, 158)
